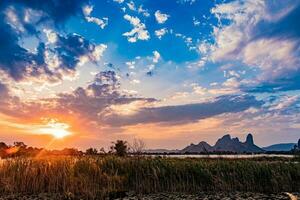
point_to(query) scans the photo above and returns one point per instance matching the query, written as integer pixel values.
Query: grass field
(98, 177)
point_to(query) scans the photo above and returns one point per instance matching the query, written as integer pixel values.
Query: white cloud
(98, 52)
(143, 11)
(196, 22)
(274, 56)
(100, 22)
(199, 90)
(230, 86)
(51, 36)
(243, 17)
(87, 10)
(119, 1)
(285, 103)
(161, 32)
(156, 56)
(160, 17)
(186, 1)
(135, 81)
(131, 65)
(139, 31)
(235, 38)
(231, 73)
(96, 55)
(231, 83)
(131, 5)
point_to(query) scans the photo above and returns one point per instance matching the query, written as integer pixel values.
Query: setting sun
(56, 129)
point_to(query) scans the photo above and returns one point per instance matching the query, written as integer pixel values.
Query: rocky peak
(235, 139)
(226, 137)
(224, 140)
(225, 144)
(201, 147)
(249, 139)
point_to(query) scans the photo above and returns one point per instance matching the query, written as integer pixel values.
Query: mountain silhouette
(280, 147)
(196, 148)
(225, 144)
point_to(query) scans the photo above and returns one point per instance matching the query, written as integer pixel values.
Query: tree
(3, 145)
(137, 146)
(91, 151)
(3, 148)
(102, 151)
(120, 147)
(21, 145)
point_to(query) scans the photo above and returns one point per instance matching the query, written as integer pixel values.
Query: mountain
(196, 148)
(250, 146)
(225, 144)
(280, 147)
(160, 151)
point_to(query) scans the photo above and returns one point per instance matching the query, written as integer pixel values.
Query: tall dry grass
(96, 177)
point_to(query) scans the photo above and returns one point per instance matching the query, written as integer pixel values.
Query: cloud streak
(188, 112)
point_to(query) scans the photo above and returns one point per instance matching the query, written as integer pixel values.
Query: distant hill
(280, 147)
(225, 144)
(160, 151)
(196, 148)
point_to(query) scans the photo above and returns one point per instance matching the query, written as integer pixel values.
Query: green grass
(99, 176)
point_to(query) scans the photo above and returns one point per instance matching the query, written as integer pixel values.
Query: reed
(99, 176)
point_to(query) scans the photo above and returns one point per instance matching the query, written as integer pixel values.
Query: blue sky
(169, 72)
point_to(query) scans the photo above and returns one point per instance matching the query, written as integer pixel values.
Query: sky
(78, 73)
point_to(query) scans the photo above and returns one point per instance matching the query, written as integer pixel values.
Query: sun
(56, 129)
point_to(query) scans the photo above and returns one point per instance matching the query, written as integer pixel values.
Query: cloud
(279, 61)
(102, 23)
(160, 17)
(190, 2)
(98, 98)
(228, 87)
(52, 10)
(51, 36)
(119, 1)
(139, 31)
(71, 48)
(131, 5)
(50, 60)
(196, 22)
(186, 113)
(131, 65)
(102, 103)
(156, 56)
(261, 35)
(286, 104)
(4, 92)
(143, 11)
(89, 103)
(161, 32)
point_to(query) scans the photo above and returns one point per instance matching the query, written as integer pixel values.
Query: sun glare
(56, 129)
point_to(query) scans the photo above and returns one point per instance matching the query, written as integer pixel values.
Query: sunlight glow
(57, 129)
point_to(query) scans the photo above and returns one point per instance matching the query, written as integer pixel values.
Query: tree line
(119, 148)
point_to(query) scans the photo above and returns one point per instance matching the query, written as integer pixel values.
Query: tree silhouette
(91, 151)
(137, 146)
(120, 147)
